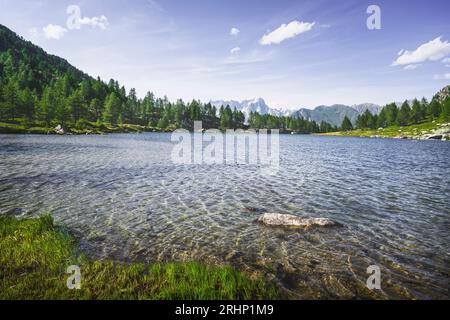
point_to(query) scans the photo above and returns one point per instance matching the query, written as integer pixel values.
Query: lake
(124, 199)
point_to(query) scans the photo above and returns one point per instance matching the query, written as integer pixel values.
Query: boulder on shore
(288, 220)
(60, 130)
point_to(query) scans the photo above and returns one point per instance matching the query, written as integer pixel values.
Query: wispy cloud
(234, 31)
(445, 76)
(433, 50)
(252, 57)
(446, 61)
(235, 51)
(411, 66)
(53, 31)
(286, 31)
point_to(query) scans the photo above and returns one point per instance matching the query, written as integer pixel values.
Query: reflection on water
(124, 199)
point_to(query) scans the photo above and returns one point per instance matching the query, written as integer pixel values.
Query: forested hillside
(414, 119)
(417, 112)
(39, 91)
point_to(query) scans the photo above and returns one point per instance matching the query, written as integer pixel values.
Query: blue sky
(324, 53)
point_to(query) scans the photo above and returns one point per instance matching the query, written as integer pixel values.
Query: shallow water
(124, 199)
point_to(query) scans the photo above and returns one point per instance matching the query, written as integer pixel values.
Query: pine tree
(27, 101)
(382, 119)
(77, 106)
(11, 97)
(416, 112)
(445, 115)
(434, 109)
(226, 118)
(391, 114)
(95, 109)
(112, 108)
(403, 117)
(163, 123)
(346, 124)
(62, 112)
(46, 108)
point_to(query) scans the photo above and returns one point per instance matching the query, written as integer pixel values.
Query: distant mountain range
(248, 106)
(334, 114)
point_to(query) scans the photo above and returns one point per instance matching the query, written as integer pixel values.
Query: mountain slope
(442, 95)
(373, 108)
(334, 114)
(21, 58)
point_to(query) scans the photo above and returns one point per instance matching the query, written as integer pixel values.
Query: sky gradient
(293, 54)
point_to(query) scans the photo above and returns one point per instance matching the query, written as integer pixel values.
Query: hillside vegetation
(421, 120)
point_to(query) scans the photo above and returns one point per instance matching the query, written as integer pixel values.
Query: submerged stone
(277, 219)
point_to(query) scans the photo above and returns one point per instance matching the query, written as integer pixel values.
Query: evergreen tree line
(63, 95)
(295, 124)
(61, 103)
(418, 112)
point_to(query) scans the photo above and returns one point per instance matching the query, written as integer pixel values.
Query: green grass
(22, 126)
(35, 254)
(393, 131)
(12, 128)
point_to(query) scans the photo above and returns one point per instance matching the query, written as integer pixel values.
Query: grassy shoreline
(88, 128)
(21, 127)
(35, 254)
(415, 131)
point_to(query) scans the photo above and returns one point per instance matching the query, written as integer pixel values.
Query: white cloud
(411, 66)
(53, 31)
(235, 50)
(433, 50)
(442, 76)
(101, 22)
(446, 60)
(234, 31)
(286, 31)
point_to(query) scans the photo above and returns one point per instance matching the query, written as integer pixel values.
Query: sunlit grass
(34, 256)
(391, 132)
(22, 126)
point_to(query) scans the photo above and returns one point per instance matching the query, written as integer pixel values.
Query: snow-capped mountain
(281, 112)
(334, 114)
(254, 105)
(373, 108)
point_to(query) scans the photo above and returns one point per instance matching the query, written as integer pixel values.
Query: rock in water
(60, 130)
(288, 220)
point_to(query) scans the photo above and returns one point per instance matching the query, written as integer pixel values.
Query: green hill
(417, 120)
(30, 65)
